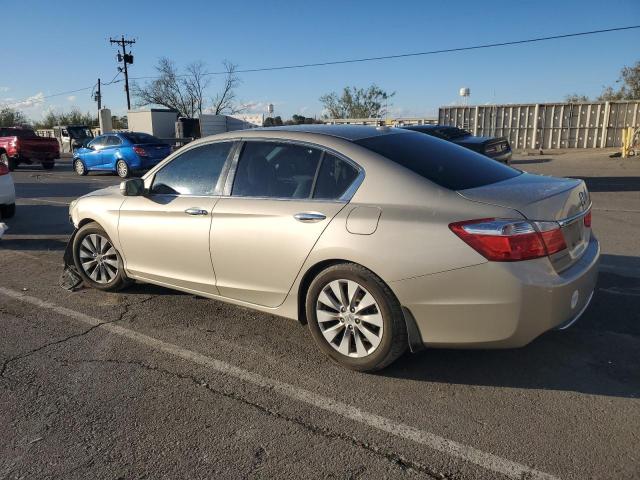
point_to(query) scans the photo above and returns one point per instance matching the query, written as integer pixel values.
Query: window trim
(219, 183)
(344, 198)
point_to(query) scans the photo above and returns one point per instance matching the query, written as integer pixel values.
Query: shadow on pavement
(531, 161)
(612, 184)
(40, 220)
(598, 355)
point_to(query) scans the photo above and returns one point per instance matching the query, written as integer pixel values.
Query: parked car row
(380, 239)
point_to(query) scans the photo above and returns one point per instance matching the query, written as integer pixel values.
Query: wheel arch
(414, 338)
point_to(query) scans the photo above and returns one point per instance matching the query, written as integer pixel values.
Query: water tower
(270, 110)
(465, 93)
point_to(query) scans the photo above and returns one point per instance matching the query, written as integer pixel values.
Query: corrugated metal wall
(548, 125)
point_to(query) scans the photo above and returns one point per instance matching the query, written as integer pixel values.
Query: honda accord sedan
(379, 239)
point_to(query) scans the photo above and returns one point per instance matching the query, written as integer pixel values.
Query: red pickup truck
(22, 145)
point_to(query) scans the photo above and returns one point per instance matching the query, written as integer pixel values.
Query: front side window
(195, 172)
(334, 178)
(276, 170)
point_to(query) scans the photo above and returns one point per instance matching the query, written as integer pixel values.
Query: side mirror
(134, 187)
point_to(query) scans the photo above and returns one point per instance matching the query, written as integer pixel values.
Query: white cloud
(71, 98)
(4, 89)
(25, 104)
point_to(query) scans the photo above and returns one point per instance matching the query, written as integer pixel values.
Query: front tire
(355, 318)
(79, 168)
(122, 169)
(96, 259)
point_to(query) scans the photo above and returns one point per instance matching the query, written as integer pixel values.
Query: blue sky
(57, 46)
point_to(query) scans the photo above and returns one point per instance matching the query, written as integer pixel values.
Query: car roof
(346, 132)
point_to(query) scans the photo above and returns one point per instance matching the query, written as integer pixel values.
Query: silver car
(378, 238)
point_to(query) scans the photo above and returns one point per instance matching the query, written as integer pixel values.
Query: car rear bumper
(496, 304)
(502, 157)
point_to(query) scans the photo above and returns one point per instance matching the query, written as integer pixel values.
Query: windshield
(136, 137)
(447, 164)
(80, 132)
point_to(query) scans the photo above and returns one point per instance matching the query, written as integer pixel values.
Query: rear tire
(48, 165)
(79, 168)
(97, 261)
(122, 169)
(7, 211)
(369, 347)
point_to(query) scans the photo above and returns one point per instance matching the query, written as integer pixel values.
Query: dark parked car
(497, 148)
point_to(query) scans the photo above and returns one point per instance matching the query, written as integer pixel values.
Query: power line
(415, 54)
(372, 59)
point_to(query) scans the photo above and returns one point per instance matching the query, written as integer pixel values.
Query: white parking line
(485, 460)
(43, 200)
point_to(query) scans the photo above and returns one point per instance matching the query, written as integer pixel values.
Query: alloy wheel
(123, 169)
(349, 318)
(98, 258)
(79, 167)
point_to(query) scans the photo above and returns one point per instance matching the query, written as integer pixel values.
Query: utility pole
(126, 59)
(98, 96)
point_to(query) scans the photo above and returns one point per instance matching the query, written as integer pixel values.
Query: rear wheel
(122, 169)
(79, 167)
(48, 165)
(97, 260)
(355, 318)
(7, 211)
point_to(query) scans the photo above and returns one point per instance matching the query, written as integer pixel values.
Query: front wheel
(122, 169)
(355, 318)
(79, 167)
(97, 260)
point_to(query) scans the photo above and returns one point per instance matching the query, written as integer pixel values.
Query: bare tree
(226, 101)
(184, 93)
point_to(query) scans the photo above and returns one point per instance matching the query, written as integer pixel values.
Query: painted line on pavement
(483, 459)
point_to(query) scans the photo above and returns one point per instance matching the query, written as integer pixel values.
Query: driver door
(165, 233)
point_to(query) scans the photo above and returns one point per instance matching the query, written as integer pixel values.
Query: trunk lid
(541, 198)
(156, 151)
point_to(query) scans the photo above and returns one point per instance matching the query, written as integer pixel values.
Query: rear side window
(442, 162)
(334, 178)
(275, 170)
(112, 141)
(195, 172)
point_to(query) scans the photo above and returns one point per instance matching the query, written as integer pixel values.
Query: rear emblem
(583, 198)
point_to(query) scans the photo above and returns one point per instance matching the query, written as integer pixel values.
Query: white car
(7, 193)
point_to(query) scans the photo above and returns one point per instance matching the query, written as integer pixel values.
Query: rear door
(266, 226)
(111, 146)
(165, 233)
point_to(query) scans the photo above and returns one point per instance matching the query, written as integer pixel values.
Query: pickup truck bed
(22, 145)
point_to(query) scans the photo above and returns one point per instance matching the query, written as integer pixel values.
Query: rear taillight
(140, 151)
(510, 240)
(4, 170)
(587, 219)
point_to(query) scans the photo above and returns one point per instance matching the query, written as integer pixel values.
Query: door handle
(195, 211)
(309, 217)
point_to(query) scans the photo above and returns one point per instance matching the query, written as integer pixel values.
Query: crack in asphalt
(21, 356)
(394, 458)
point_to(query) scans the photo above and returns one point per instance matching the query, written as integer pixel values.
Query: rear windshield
(444, 163)
(141, 138)
(17, 132)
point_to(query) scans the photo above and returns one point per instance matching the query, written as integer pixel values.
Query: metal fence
(548, 125)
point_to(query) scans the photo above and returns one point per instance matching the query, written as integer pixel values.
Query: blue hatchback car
(122, 153)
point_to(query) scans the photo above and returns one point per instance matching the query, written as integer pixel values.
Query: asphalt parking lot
(153, 383)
